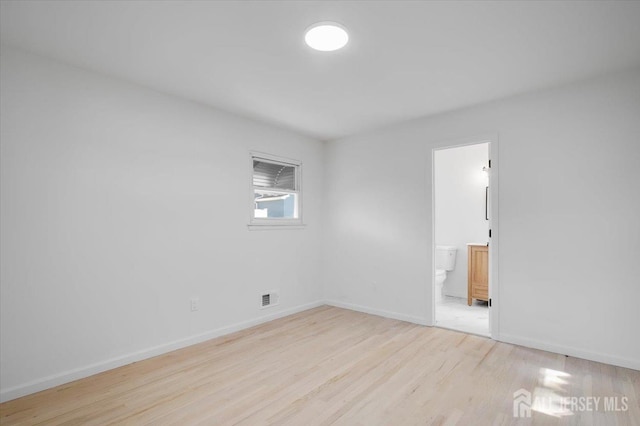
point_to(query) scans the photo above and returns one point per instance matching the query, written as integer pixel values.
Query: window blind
(275, 176)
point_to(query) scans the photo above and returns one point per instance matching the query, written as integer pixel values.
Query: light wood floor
(332, 366)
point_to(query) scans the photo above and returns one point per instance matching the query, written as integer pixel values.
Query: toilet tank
(446, 257)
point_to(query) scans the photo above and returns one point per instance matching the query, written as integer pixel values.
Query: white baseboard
(89, 370)
(521, 341)
(458, 295)
(633, 364)
(378, 312)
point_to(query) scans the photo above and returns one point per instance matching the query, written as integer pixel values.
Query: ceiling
(404, 59)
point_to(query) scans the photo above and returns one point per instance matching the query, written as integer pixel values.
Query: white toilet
(445, 261)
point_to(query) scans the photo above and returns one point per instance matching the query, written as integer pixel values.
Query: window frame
(275, 223)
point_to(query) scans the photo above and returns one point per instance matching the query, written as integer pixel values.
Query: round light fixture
(326, 36)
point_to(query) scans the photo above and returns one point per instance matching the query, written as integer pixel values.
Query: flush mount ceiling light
(326, 36)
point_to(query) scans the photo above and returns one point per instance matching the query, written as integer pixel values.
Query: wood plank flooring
(333, 366)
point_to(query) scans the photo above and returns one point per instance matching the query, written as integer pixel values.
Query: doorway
(462, 220)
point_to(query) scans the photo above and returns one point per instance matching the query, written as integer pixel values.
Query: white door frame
(494, 287)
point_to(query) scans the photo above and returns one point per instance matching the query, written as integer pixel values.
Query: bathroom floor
(454, 313)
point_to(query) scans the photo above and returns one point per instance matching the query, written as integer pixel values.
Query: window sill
(272, 227)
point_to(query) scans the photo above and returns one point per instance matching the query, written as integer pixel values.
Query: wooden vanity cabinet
(478, 273)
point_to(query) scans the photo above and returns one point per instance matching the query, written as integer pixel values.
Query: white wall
(118, 205)
(569, 209)
(460, 206)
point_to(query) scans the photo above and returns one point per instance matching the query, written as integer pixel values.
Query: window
(275, 191)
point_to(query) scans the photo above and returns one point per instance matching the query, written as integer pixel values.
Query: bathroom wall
(569, 234)
(460, 206)
(119, 204)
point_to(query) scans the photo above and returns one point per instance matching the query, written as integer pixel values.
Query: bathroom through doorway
(462, 197)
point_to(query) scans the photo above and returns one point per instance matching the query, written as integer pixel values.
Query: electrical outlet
(195, 304)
